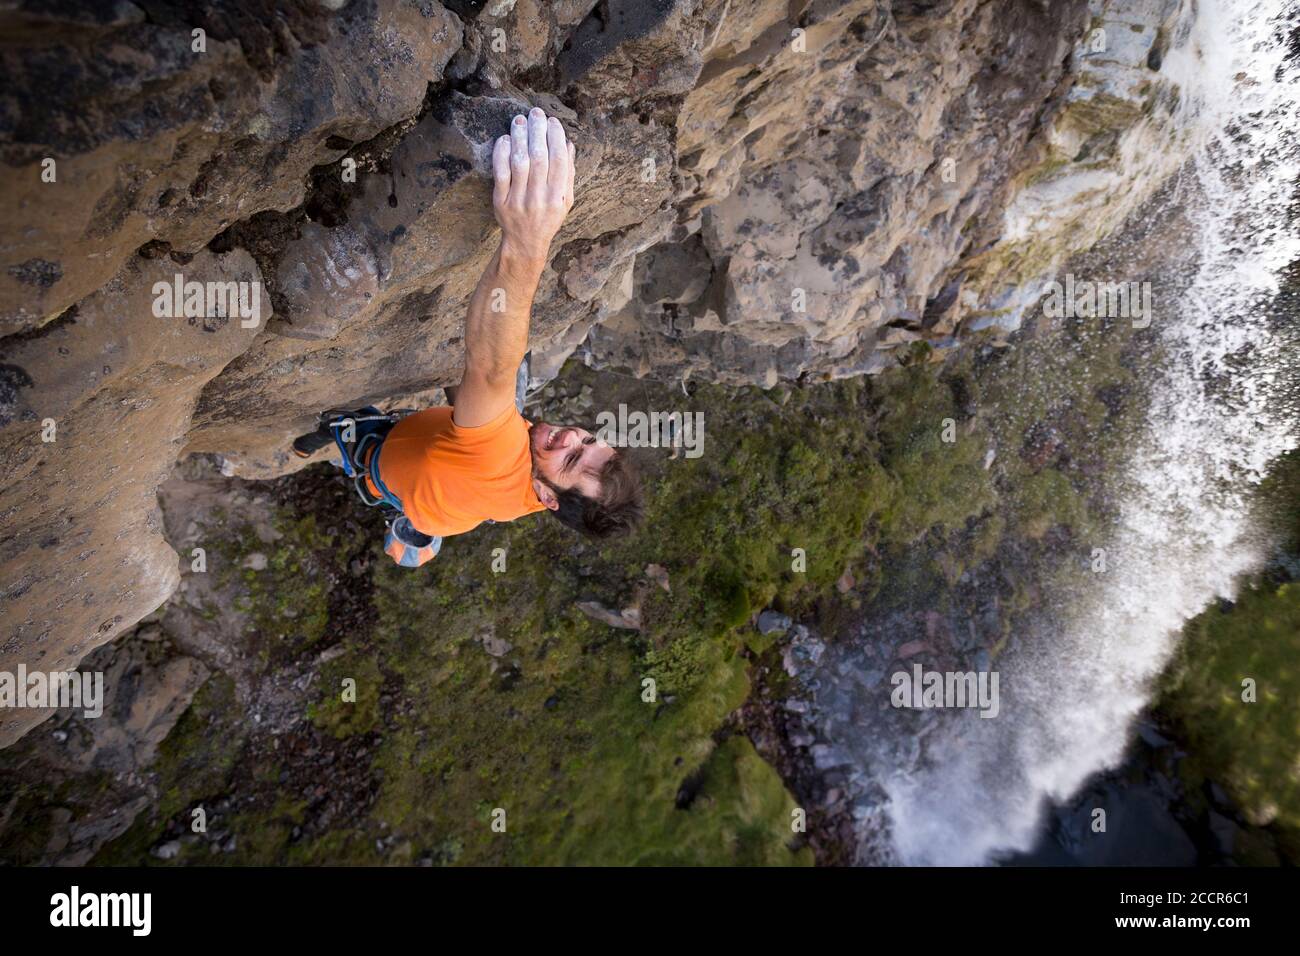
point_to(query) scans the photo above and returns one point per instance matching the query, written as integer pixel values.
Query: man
(449, 469)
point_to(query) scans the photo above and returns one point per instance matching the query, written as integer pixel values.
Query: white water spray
(1184, 534)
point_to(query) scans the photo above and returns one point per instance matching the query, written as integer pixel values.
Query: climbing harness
(358, 435)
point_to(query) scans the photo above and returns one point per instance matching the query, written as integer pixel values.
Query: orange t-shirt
(449, 479)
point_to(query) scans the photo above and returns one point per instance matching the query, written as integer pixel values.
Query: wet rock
(773, 622)
(1224, 831)
(1139, 829)
(826, 756)
(1152, 736)
(872, 679)
(789, 662)
(1113, 82)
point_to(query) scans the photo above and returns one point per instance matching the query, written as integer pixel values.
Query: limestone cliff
(767, 189)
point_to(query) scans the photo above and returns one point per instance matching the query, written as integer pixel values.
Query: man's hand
(533, 172)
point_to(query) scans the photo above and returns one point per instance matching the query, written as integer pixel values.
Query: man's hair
(616, 511)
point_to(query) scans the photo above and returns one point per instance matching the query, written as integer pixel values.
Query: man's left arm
(533, 171)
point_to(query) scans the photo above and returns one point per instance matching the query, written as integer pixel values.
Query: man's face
(566, 457)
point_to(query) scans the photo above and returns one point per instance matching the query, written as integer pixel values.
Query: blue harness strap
(372, 469)
(352, 432)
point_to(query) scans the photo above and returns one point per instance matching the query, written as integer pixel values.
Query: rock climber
(445, 470)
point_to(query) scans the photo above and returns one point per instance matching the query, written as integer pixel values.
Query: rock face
(158, 135)
(147, 687)
(766, 190)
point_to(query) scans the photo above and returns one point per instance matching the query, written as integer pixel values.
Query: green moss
(33, 810)
(1046, 500)
(287, 600)
(749, 815)
(261, 836)
(931, 473)
(194, 762)
(555, 732)
(1253, 749)
(349, 696)
(479, 691)
(677, 668)
(198, 754)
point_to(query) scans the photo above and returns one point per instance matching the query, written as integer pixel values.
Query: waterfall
(966, 790)
(1184, 534)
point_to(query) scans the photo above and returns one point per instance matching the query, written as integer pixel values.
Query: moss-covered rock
(1233, 689)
